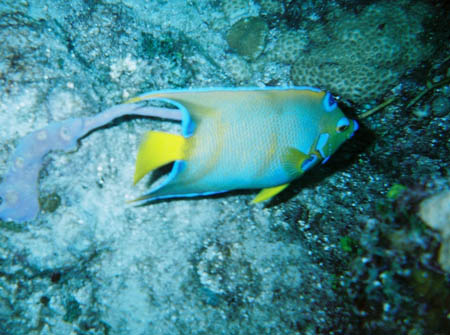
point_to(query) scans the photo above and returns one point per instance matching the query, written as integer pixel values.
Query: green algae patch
(348, 244)
(50, 203)
(12, 226)
(152, 46)
(73, 311)
(248, 36)
(395, 191)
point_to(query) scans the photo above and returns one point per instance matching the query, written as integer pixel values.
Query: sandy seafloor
(342, 251)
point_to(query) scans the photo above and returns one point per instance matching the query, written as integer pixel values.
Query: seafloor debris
(435, 212)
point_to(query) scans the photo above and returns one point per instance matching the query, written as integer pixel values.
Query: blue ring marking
(355, 128)
(329, 103)
(309, 162)
(323, 139)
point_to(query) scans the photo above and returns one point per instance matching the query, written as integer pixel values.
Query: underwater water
(360, 245)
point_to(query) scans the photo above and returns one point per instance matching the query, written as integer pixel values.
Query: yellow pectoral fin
(292, 161)
(267, 193)
(158, 149)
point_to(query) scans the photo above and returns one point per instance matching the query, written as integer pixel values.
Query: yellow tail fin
(158, 149)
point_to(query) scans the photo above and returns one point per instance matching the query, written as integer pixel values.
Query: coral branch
(19, 188)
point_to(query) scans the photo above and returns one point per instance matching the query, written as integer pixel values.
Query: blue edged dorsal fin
(199, 103)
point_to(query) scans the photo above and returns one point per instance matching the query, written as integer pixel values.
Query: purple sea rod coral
(19, 188)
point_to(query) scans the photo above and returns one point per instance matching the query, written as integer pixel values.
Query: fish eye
(342, 125)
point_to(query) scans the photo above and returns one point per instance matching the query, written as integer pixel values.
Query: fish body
(242, 139)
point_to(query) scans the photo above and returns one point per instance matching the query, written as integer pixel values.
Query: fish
(230, 139)
(235, 139)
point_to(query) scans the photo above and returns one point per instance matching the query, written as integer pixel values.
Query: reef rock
(435, 212)
(247, 36)
(361, 56)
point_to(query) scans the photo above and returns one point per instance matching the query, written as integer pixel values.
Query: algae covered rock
(237, 9)
(361, 56)
(289, 45)
(247, 36)
(272, 7)
(237, 68)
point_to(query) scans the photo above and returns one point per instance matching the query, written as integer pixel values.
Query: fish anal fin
(158, 149)
(267, 193)
(140, 199)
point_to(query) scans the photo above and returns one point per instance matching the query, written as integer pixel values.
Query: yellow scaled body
(242, 139)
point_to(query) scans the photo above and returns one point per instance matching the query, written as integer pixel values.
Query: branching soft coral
(19, 187)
